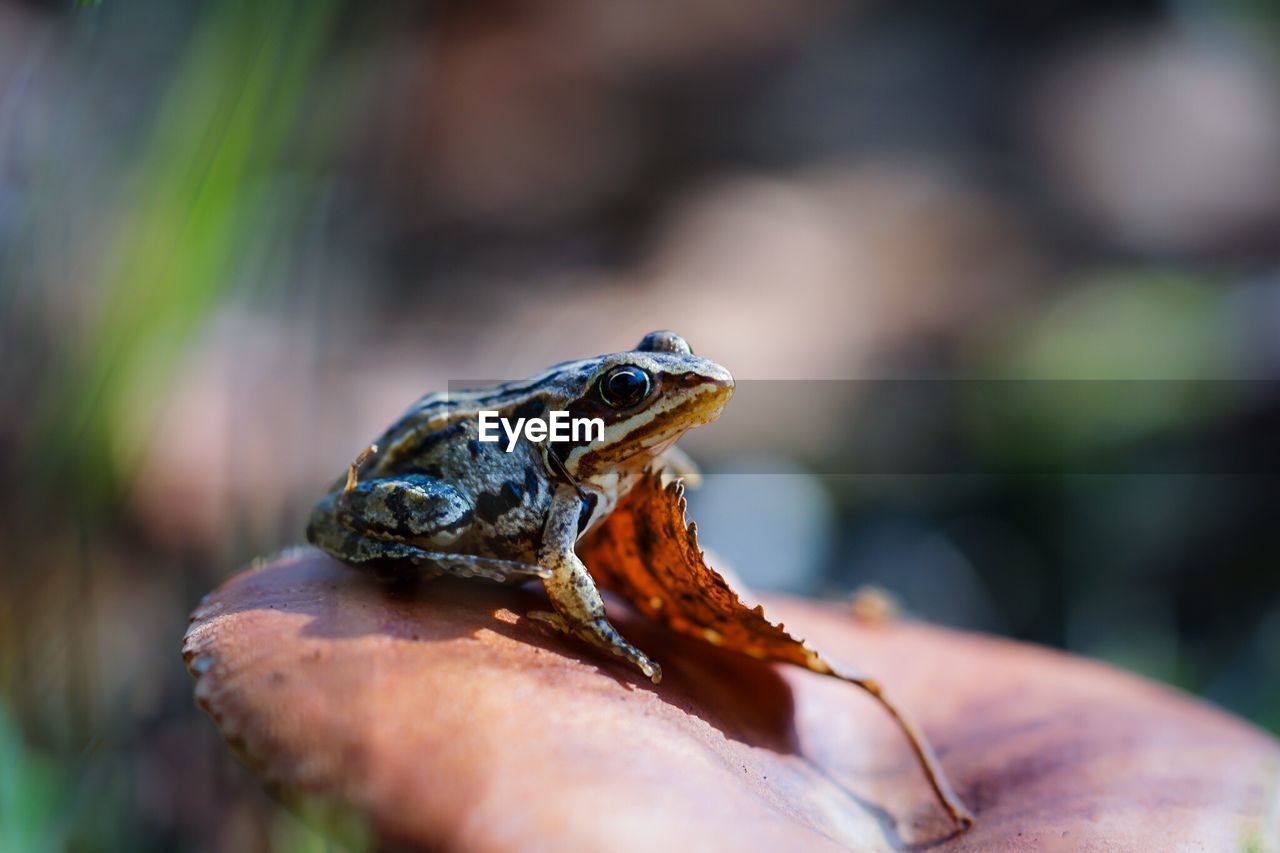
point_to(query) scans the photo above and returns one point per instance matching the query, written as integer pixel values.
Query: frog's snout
(721, 382)
(718, 380)
(711, 387)
(725, 380)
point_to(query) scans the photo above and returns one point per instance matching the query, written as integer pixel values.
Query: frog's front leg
(411, 519)
(579, 608)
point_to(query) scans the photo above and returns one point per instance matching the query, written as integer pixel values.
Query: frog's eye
(624, 386)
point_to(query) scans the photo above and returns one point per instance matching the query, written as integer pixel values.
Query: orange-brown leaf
(647, 553)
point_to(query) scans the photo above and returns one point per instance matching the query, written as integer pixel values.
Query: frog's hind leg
(414, 508)
(406, 520)
(382, 555)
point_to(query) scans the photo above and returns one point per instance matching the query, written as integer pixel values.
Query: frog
(428, 498)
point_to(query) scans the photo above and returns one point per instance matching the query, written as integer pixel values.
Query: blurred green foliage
(210, 205)
(32, 794)
(1119, 358)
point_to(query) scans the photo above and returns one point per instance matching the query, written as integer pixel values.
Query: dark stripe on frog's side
(438, 417)
(531, 408)
(502, 396)
(427, 443)
(400, 444)
(404, 441)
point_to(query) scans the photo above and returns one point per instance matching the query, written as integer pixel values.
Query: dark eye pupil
(624, 387)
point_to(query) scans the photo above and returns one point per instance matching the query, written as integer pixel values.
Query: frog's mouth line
(649, 437)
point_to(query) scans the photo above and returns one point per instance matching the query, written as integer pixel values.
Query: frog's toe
(601, 634)
(637, 658)
(552, 620)
(649, 667)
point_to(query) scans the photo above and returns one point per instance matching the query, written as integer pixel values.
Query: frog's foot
(598, 632)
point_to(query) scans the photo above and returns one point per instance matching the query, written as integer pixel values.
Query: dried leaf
(647, 553)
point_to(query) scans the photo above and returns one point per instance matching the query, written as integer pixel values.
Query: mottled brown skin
(429, 498)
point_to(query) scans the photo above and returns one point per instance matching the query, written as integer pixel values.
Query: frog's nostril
(711, 378)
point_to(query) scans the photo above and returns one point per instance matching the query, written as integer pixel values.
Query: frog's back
(508, 492)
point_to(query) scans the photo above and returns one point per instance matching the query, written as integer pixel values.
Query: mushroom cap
(441, 717)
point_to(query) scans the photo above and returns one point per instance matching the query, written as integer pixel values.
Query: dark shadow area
(744, 699)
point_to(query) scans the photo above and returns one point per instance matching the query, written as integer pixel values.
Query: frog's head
(647, 397)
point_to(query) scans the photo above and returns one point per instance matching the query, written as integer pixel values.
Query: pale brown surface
(448, 719)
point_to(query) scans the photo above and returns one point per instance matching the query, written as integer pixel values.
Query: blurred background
(1000, 281)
